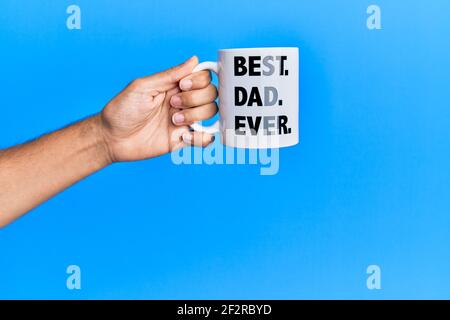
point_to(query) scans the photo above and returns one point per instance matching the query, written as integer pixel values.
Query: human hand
(151, 116)
(148, 118)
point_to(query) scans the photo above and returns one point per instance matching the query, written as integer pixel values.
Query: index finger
(196, 80)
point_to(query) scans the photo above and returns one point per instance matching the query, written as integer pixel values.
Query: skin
(149, 118)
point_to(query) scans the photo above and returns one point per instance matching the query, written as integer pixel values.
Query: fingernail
(185, 84)
(178, 118)
(187, 137)
(175, 101)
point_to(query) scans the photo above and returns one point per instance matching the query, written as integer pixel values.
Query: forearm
(32, 173)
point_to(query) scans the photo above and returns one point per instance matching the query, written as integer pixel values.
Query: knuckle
(210, 109)
(138, 82)
(204, 79)
(206, 140)
(188, 98)
(202, 82)
(214, 107)
(188, 118)
(197, 114)
(172, 74)
(198, 139)
(212, 90)
(201, 79)
(202, 113)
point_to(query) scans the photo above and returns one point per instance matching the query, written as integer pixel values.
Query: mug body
(258, 97)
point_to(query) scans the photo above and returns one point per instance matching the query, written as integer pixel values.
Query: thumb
(168, 79)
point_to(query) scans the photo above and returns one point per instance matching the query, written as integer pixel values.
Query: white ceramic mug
(258, 97)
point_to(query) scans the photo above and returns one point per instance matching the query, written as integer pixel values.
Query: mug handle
(214, 128)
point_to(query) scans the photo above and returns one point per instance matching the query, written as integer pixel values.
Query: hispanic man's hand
(151, 116)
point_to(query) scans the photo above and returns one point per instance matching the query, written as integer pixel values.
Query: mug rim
(259, 48)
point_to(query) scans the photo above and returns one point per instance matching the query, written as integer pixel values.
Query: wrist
(103, 149)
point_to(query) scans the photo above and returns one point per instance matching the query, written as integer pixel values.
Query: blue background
(368, 184)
